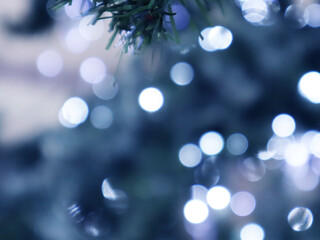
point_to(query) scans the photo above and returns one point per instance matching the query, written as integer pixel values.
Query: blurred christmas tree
(212, 140)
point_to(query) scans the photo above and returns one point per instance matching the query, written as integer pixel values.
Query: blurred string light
(283, 125)
(265, 155)
(73, 112)
(91, 32)
(218, 197)
(309, 86)
(237, 144)
(252, 169)
(101, 117)
(190, 155)
(313, 13)
(50, 63)
(300, 219)
(252, 231)
(107, 88)
(215, 38)
(243, 203)
(296, 15)
(306, 182)
(182, 73)
(211, 143)
(77, 8)
(315, 145)
(75, 42)
(93, 70)
(196, 211)
(150, 99)
(277, 146)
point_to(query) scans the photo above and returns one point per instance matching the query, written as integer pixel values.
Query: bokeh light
(309, 86)
(252, 231)
(91, 32)
(77, 8)
(243, 203)
(182, 73)
(220, 37)
(75, 42)
(296, 154)
(195, 211)
(50, 63)
(151, 99)
(255, 11)
(296, 16)
(93, 70)
(211, 143)
(107, 190)
(237, 144)
(313, 13)
(75, 111)
(283, 125)
(190, 155)
(107, 88)
(182, 16)
(218, 197)
(205, 42)
(300, 219)
(101, 117)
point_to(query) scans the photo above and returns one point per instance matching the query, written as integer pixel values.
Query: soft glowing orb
(75, 111)
(313, 13)
(211, 143)
(252, 231)
(182, 73)
(283, 125)
(107, 191)
(255, 11)
(237, 144)
(243, 203)
(75, 42)
(220, 37)
(151, 99)
(309, 86)
(107, 88)
(93, 70)
(50, 63)
(101, 117)
(296, 154)
(190, 155)
(218, 197)
(300, 219)
(195, 211)
(205, 42)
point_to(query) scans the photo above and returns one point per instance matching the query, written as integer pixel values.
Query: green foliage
(140, 22)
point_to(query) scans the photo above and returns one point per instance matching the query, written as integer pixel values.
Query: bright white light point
(182, 73)
(93, 70)
(254, 11)
(205, 43)
(252, 231)
(75, 111)
(243, 203)
(309, 86)
(190, 155)
(218, 197)
(220, 37)
(211, 143)
(237, 144)
(151, 99)
(107, 190)
(300, 219)
(195, 211)
(101, 117)
(296, 154)
(75, 42)
(50, 63)
(89, 31)
(283, 125)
